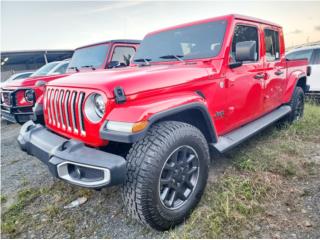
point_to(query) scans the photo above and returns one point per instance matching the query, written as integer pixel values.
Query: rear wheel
(167, 174)
(297, 106)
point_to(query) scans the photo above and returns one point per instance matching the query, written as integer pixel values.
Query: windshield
(61, 68)
(43, 71)
(192, 42)
(89, 56)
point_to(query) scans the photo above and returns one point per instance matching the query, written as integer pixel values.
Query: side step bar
(239, 135)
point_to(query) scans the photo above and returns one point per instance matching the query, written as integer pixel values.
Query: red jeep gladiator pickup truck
(205, 85)
(19, 97)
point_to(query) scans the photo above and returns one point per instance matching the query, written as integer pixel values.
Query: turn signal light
(126, 127)
(139, 126)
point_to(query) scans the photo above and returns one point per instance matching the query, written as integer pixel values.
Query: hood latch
(120, 96)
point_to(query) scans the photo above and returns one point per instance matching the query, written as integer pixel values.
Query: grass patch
(280, 151)
(3, 199)
(15, 214)
(18, 217)
(309, 126)
(226, 207)
(70, 226)
(259, 165)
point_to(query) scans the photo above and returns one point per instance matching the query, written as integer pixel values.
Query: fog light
(84, 175)
(77, 172)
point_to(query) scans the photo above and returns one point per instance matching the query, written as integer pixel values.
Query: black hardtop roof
(130, 41)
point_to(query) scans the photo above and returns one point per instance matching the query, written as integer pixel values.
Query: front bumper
(71, 160)
(16, 117)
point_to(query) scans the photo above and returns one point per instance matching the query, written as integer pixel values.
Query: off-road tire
(146, 159)
(297, 106)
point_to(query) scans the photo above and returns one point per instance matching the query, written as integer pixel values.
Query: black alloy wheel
(178, 177)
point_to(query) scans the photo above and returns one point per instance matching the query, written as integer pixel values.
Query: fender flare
(291, 85)
(133, 137)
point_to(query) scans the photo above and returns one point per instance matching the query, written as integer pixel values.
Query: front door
(244, 83)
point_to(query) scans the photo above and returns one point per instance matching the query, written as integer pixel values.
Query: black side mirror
(246, 51)
(114, 64)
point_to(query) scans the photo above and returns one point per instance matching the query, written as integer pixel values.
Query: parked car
(209, 84)
(312, 53)
(19, 97)
(18, 76)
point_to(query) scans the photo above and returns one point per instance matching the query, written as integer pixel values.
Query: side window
(300, 55)
(244, 33)
(316, 57)
(271, 40)
(123, 55)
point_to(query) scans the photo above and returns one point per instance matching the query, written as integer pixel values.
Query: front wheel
(167, 174)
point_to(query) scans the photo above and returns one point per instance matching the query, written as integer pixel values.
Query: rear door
(244, 83)
(275, 68)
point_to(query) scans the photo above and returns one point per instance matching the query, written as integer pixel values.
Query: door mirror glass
(246, 51)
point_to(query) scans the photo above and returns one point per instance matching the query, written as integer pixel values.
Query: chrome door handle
(278, 72)
(259, 76)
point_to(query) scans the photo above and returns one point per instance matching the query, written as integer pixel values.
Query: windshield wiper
(144, 60)
(74, 68)
(88, 66)
(178, 57)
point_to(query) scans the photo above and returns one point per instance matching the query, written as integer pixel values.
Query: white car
(312, 53)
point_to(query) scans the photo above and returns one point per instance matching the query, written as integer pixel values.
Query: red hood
(31, 81)
(138, 79)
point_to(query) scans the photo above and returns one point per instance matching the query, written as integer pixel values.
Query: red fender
(143, 109)
(291, 84)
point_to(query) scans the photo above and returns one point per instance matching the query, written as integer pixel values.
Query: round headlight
(99, 105)
(29, 95)
(94, 107)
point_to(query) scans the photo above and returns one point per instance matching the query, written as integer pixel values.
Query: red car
(204, 85)
(19, 97)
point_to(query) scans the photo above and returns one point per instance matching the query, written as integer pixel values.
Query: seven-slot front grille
(64, 109)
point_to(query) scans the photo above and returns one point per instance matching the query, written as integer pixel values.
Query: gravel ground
(102, 216)
(294, 213)
(20, 171)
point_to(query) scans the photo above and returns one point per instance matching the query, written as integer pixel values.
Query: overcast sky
(30, 25)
